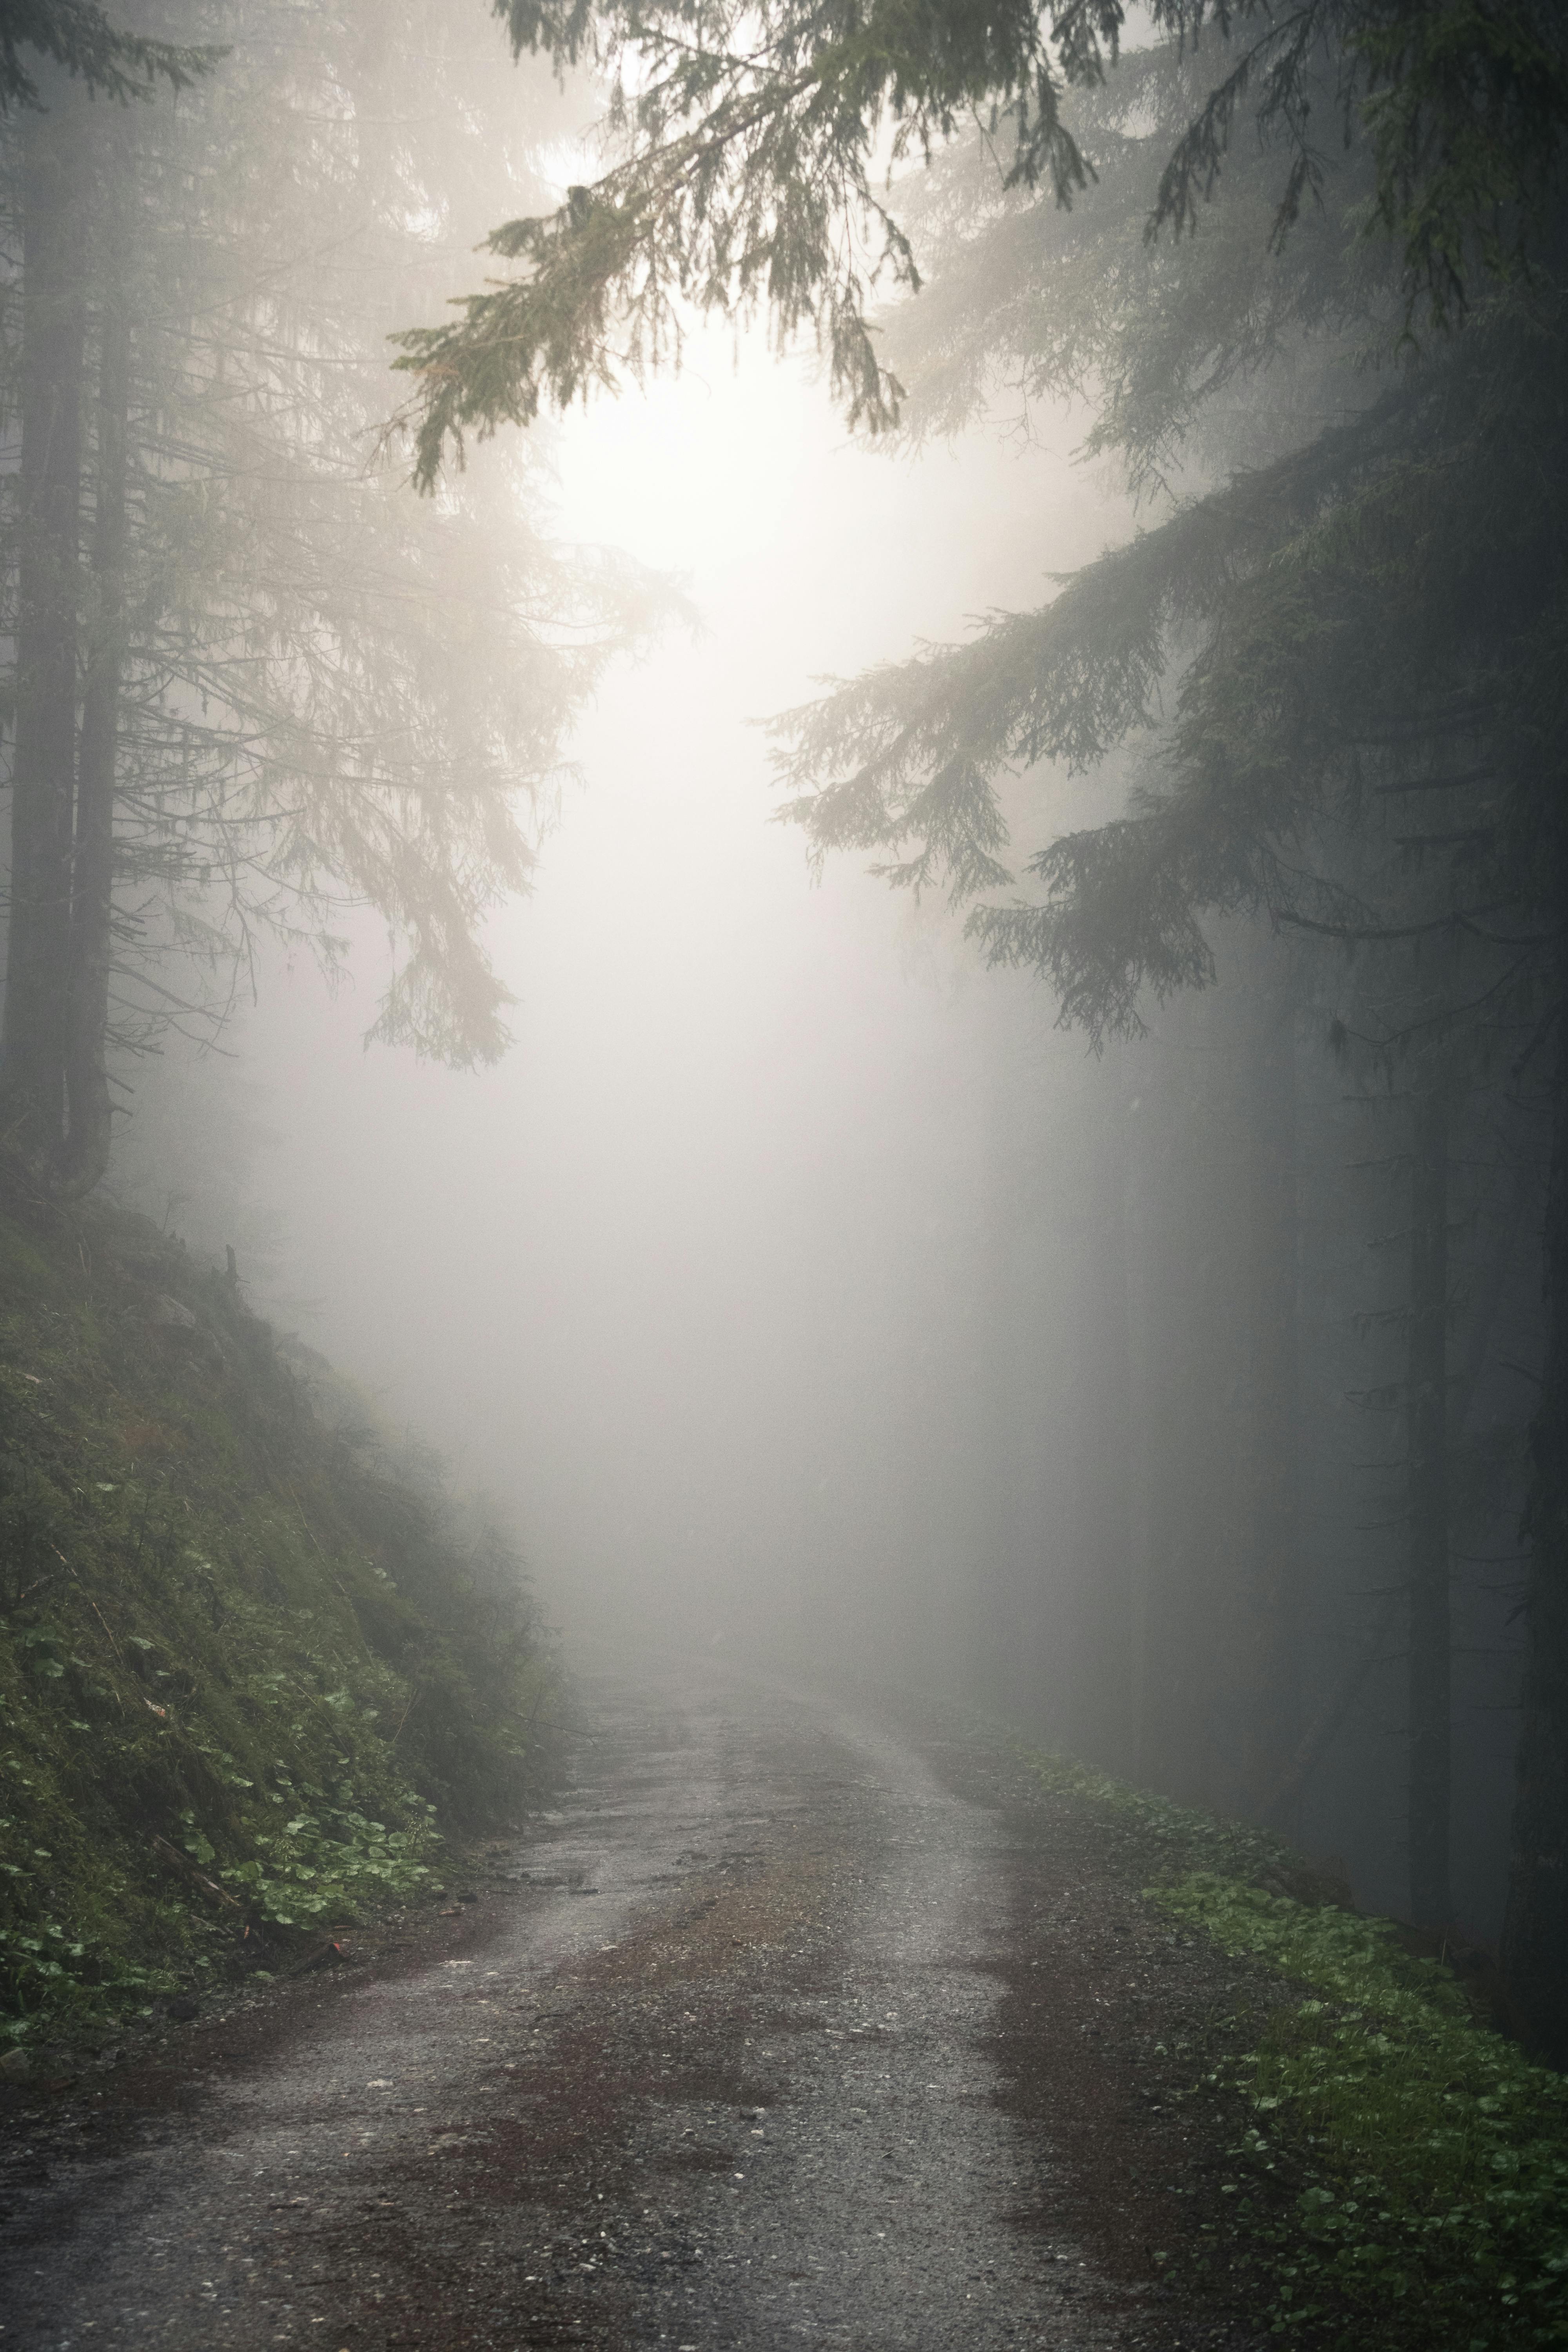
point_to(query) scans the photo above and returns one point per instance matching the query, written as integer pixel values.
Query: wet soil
(796, 2020)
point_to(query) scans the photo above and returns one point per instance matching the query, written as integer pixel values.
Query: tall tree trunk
(92, 881)
(1104, 1462)
(1190, 1741)
(1431, 1652)
(1464, 1385)
(53, 209)
(1273, 1381)
(1535, 1930)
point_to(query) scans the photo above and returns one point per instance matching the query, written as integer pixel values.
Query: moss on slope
(250, 1669)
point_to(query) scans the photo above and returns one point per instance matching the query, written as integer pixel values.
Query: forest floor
(796, 2020)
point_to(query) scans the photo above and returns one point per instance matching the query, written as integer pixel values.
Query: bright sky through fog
(660, 1279)
(690, 472)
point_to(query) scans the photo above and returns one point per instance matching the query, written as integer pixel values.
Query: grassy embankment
(1400, 2176)
(252, 1673)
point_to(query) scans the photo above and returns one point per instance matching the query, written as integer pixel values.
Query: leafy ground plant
(1399, 2178)
(254, 1670)
(1432, 2154)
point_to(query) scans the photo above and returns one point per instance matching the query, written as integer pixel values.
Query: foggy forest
(784, 1173)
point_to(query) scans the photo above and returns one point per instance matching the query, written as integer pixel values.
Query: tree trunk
(87, 1075)
(1464, 1384)
(1431, 1655)
(1274, 1699)
(1104, 1464)
(1535, 1930)
(1195, 1628)
(54, 207)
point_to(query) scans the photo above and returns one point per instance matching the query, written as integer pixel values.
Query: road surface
(793, 2023)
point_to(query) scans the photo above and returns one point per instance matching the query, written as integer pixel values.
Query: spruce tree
(1365, 637)
(746, 180)
(255, 684)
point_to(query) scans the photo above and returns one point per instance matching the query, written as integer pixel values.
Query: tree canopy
(756, 154)
(1373, 630)
(79, 39)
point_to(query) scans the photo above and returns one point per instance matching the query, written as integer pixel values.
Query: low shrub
(254, 1667)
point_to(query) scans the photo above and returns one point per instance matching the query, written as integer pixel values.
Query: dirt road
(794, 2024)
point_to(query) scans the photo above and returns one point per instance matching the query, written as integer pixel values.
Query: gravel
(796, 2020)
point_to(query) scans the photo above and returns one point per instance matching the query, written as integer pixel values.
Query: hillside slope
(251, 1670)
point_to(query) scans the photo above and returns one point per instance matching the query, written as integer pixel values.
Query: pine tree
(83, 44)
(747, 181)
(255, 684)
(1363, 754)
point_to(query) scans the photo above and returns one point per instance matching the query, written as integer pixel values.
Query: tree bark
(1274, 1699)
(1431, 1652)
(1463, 1387)
(1319, 1735)
(54, 327)
(1183, 1367)
(1535, 1928)
(85, 1153)
(1104, 1464)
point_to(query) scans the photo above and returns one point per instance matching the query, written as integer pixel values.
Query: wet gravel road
(793, 2025)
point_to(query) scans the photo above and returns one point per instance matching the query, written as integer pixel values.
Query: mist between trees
(1246, 1463)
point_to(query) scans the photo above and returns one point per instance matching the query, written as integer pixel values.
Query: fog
(762, 1284)
(694, 1281)
(1103, 1286)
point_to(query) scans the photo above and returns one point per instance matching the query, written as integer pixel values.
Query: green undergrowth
(1401, 2175)
(254, 1668)
(1432, 2155)
(1173, 1838)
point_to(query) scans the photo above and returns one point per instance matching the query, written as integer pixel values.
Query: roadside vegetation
(255, 1671)
(1401, 2173)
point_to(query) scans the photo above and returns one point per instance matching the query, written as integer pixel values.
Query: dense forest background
(1117, 1277)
